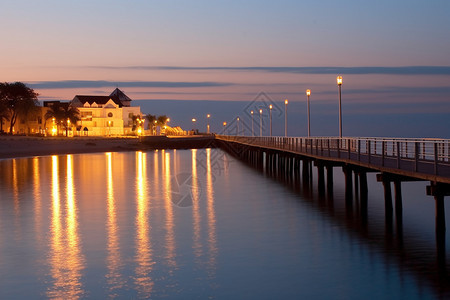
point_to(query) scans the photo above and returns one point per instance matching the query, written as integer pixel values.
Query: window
(39, 119)
(110, 114)
(86, 115)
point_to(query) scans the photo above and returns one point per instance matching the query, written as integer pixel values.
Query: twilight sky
(394, 56)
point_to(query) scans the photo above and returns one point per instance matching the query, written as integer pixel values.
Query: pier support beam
(439, 191)
(320, 178)
(305, 170)
(329, 179)
(348, 184)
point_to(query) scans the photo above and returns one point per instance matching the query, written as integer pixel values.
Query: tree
(136, 121)
(151, 120)
(71, 115)
(20, 100)
(4, 114)
(63, 114)
(162, 120)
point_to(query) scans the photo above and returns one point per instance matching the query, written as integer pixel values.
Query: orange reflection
(144, 260)
(15, 182)
(74, 258)
(113, 260)
(66, 261)
(37, 199)
(196, 206)
(211, 215)
(170, 237)
(57, 252)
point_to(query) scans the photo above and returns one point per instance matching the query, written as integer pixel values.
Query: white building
(106, 115)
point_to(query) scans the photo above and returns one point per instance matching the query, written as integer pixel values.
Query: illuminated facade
(100, 116)
(106, 115)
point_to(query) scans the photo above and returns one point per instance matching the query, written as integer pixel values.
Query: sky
(189, 58)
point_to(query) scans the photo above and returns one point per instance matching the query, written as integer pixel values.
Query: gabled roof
(100, 100)
(120, 95)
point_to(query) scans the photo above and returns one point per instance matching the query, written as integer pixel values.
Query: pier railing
(427, 156)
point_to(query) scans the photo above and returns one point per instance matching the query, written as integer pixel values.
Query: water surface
(199, 224)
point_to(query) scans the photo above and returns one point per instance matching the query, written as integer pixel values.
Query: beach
(25, 146)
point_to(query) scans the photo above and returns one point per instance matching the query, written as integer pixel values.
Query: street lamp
(260, 122)
(270, 113)
(308, 93)
(207, 126)
(237, 131)
(252, 123)
(224, 125)
(285, 117)
(339, 83)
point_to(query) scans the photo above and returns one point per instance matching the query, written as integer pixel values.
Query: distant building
(100, 116)
(106, 115)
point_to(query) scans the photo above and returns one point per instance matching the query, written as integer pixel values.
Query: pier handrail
(414, 155)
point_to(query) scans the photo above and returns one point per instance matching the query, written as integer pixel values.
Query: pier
(395, 160)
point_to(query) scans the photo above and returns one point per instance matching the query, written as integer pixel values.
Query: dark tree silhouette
(151, 120)
(19, 99)
(64, 114)
(162, 120)
(4, 114)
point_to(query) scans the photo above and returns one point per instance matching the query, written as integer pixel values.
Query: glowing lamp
(339, 80)
(308, 92)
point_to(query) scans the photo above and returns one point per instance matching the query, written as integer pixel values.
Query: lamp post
(308, 93)
(260, 122)
(253, 134)
(270, 114)
(193, 125)
(285, 117)
(207, 126)
(237, 129)
(224, 125)
(339, 83)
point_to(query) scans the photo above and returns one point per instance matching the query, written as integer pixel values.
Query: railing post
(317, 146)
(435, 158)
(321, 147)
(383, 146)
(348, 146)
(359, 150)
(339, 147)
(416, 156)
(368, 150)
(329, 154)
(398, 154)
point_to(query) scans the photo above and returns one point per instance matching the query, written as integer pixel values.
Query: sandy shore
(23, 146)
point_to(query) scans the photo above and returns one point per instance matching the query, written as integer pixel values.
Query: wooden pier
(395, 160)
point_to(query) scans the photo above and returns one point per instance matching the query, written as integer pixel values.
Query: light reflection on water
(110, 226)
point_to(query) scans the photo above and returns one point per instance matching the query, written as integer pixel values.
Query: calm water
(199, 224)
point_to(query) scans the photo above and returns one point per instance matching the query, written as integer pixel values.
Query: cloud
(69, 84)
(367, 70)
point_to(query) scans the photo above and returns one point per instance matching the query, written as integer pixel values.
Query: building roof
(117, 96)
(100, 100)
(120, 95)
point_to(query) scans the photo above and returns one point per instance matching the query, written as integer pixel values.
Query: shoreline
(30, 146)
(25, 146)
